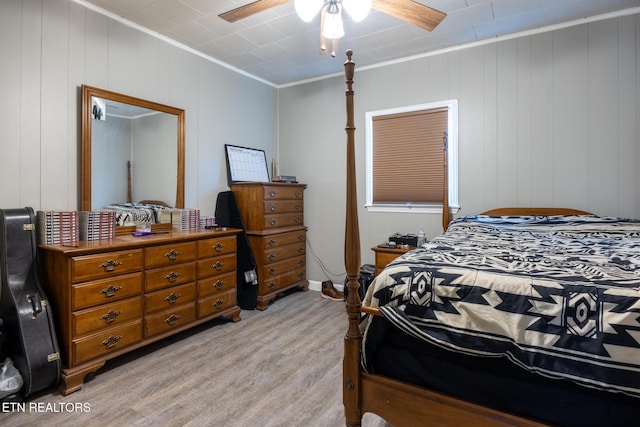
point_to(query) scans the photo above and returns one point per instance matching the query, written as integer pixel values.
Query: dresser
(273, 216)
(112, 296)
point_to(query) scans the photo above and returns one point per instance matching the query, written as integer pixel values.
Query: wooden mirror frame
(88, 93)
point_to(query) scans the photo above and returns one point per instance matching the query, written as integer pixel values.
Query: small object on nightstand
(387, 252)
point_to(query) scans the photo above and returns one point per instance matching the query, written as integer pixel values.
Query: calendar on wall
(246, 164)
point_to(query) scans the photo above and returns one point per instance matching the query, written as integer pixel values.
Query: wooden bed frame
(400, 403)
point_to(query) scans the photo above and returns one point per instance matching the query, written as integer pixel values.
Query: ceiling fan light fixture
(357, 9)
(307, 9)
(332, 27)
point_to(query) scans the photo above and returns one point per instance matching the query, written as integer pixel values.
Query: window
(405, 157)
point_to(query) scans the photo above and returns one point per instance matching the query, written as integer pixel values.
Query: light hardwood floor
(279, 367)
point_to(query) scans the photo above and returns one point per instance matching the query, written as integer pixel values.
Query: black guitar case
(31, 337)
(228, 215)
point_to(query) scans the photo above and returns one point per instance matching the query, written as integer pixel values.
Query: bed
(129, 214)
(491, 324)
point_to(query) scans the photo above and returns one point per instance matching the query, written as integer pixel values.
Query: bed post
(353, 338)
(446, 214)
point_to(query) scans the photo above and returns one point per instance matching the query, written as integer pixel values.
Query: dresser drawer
(170, 297)
(217, 265)
(279, 239)
(216, 303)
(283, 252)
(169, 276)
(281, 267)
(171, 319)
(274, 283)
(217, 246)
(106, 315)
(282, 206)
(216, 284)
(157, 256)
(105, 265)
(282, 192)
(282, 220)
(107, 341)
(96, 292)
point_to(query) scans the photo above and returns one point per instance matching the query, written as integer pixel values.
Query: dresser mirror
(132, 151)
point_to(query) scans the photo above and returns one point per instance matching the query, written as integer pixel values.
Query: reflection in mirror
(132, 150)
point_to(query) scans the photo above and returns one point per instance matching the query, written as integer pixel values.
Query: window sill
(410, 209)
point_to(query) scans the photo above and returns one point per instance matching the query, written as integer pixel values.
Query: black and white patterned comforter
(556, 295)
(128, 214)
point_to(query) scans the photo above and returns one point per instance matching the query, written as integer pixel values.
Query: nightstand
(385, 255)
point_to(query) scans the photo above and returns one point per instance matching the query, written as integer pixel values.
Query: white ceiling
(277, 47)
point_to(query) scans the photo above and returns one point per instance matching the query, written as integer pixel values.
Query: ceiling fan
(331, 20)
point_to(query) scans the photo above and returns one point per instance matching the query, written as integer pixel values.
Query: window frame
(452, 159)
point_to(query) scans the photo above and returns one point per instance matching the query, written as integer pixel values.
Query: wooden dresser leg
(72, 380)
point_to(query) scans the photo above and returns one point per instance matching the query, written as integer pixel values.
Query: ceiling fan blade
(250, 9)
(408, 10)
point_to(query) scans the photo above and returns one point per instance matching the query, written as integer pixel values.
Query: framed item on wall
(246, 164)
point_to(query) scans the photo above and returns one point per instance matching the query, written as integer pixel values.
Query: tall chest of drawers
(273, 215)
(110, 297)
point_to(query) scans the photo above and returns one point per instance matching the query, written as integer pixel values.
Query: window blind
(408, 157)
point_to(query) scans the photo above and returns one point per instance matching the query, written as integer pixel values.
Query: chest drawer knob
(111, 341)
(272, 193)
(172, 254)
(172, 277)
(300, 237)
(110, 265)
(272, 208)
(298, 207)
(218, 265)
(111, 316)
(300, 250)
(218, 303)
(172, 298)
(110, 291)
(271, 257)
(218, 284)
(271, 242)
(171, 320)
(218, 247)
(273, 221)
(298, 219)
(271, 285)
(298, 194)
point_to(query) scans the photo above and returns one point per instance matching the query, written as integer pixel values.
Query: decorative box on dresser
(112, 296)
(273, 216)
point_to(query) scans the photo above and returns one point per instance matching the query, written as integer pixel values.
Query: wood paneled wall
(544, 120)
(48, 48)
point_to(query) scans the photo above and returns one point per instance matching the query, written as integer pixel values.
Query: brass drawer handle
(298, 219)
(218, 265)
(272, 270)
(300, 250)
(300, 236)
(171, 320)
(271, 242)
(110, 291)
(301, 263)
(271, 257)
(172, 298)
(218, 284)
(218, 247)
(272, 193)
(298, 207)
(298, 193)
(271, 285)
(111, 341)
(218, 303)
(272, 208)
(273, 221)
(172, 254)
(301, 275)
(110, 265)
(172, 277)
(111, 316)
